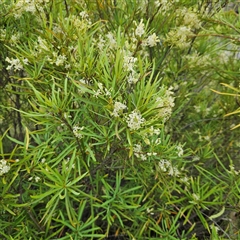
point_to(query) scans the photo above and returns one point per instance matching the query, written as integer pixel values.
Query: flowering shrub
(115, 134)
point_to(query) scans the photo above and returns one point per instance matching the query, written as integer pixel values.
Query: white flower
(24, 5)
(37, 179)
(153, 131)
(158, 141)
(191, 19)
(42, 44)
(196, 158)
(101, 91)
(143, 157)
(3, 33)
(15, 37)
(140, 29)
(118, 108)
(150, 211)
(77, 131)
(59, 59)
(167, 167)
(4, 167)
(164, 165)
(57, 30)
(85, 20)
(165, 4)
(232, 170)
(152, 154)
(128, 63)
(207, 138)
(152, 40)
(15, 64)
(133, 77)
(185, 180)
(30, 8)
(101, 43)
(173, 171)
(111, 40)
(179, 150)
(97, 93)
(137, 149)
(180, 37)
(197, 108)
(135, 120)
(83, 14)
(165, 104)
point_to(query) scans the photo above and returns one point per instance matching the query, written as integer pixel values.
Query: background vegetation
(119, 119)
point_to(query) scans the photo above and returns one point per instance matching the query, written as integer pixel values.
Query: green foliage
(109, 127)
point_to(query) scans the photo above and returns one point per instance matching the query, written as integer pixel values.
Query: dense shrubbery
(111, 127)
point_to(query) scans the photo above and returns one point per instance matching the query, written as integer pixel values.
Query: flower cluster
(233, 170)
(24, 6)
(58, 59)
(179, 150)
(81, 22)
(3, 33)
(4, 167)
(151, 40)
(77, 131)
(188, 18)
(133, 77)
(15, 63)
(195, 60)
(165, 104)
(100, 42)
(166, 167)
(102, 91)
(46, 49)
(139, 31)
(180, 37)
(164, 4)
(135, 120)
(153, 131)
(15, 37)
(137, 150)
(83, 83)
(129, 62)
(129, 65)
(111, 40)
(30, 6)
(187, 22)
(42, 45)
(118, 109)
(150, 136)
(36, 178)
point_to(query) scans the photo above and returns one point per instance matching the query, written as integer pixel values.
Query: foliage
(109, 127)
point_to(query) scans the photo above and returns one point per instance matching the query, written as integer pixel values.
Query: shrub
(114, 120)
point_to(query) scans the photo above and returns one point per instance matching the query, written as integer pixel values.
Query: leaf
(43, 195)
(224, 93)
(231, 113)
(235, 127)
(231, 87)
(218, 214)
(27, 139)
